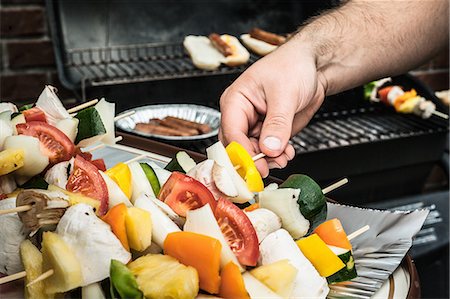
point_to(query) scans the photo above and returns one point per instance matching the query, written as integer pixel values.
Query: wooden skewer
(440, 114)
(135, 159)
(124, 115)
(97, 147)
(16, 210)
(41, 277)
(358, 232)
(12, 277)
(82, 106)
(254, 158)
(335, 186)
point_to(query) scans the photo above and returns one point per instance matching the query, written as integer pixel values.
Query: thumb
(276, 128)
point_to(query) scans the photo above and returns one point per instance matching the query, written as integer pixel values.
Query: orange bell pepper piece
(252, 207)
(199, 251)
(232, 284)
(332, 233)
(116, 219)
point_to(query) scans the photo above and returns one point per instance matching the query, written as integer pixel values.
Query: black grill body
(131, 52)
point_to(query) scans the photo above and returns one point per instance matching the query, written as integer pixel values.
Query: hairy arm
(366, 40)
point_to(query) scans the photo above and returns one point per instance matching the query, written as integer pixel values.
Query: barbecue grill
(131, 52)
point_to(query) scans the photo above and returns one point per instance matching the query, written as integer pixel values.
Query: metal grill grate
(362, 125)
(138, 63)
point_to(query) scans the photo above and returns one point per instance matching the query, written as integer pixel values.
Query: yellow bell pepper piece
(403, 98)
(121, 174)
(317, 252)
(408, 105)
(247, 169)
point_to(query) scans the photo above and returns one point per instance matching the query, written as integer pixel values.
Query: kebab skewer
(408, 102)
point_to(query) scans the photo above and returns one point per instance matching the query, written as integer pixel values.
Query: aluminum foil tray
(197, 113)
(378, 252)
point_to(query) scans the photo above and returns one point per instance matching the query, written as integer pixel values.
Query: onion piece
(34, 160)
(49, 102)
(116, 195)
(107, 112)
(68, 126)
(139, 181)
(7, 106)
(218, 153)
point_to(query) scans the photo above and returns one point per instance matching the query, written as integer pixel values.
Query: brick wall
(27, 59)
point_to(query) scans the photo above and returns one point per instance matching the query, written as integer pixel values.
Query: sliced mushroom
(45, 208)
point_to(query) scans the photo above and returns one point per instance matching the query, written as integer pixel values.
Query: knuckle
(278, 120)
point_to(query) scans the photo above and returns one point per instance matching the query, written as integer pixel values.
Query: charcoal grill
(131, 52)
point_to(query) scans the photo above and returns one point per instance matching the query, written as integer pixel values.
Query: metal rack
(138, 63)
(362, 126)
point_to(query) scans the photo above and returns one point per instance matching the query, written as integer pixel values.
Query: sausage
(202, 128)
(268, 37)
(152, 128)
(220, 45)
(175, 125)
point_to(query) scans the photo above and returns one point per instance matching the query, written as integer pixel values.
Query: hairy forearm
(367, 40)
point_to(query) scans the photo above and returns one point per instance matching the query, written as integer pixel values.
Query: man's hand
(271, 101)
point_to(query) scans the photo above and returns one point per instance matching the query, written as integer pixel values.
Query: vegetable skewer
(358, 232)
(82, 106)
(124, 115)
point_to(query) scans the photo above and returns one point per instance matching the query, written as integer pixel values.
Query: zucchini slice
(349, 271)
(90, 124)
(312, 202)
(182, 163)
(152, 178)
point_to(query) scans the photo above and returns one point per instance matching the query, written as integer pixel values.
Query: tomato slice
(238, 231)
(183, 193)
(34, 114)
(100, 164)
(54, 143)
(86, 155)
(86, 180)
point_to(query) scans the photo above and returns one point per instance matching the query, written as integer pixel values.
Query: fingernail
(272, 143)
(273, 165)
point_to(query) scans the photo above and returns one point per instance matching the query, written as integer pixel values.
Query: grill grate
(362, 125)
(138, 63)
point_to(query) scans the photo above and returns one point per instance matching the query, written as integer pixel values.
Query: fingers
(277, 126)
(282, 160)
(237, 117)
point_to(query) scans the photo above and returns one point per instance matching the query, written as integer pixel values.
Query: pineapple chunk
(76, 198)
(10, 160)
(162, 276)
(58, 256)
(138, 223)
(278, 276)
(32, 262)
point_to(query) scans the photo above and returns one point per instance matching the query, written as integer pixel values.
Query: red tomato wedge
(238, 231)
(34, 114)
(183, 193)
(383, 94)
(85, 155)
(86, 180)
(99, 163)
(54, 143)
